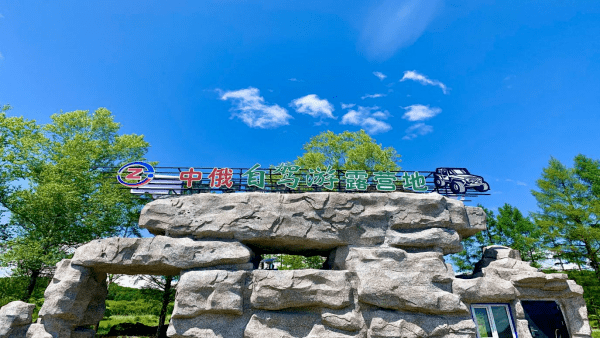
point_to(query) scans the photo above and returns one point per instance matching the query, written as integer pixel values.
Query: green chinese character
(356, 179)
(415, 181)
(255, 177)
(385, 180)
(288, 179)
(320, 178)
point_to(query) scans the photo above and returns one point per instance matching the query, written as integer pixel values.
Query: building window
(493, 321)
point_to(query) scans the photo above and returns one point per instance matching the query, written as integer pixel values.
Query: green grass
(150, 320)
(595, 333)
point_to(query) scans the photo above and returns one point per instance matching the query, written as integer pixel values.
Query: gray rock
(385, 323)
(297, 222)
(281, 325)
(67, 296)
(158, 255)
(484, 289)
(576, 314)
(394, 279)
(276, 290)
(15, 314)
(496, 252)
(29, 331)
(321, 331)
(522, 328)
(208, 325)
(476, 220)
(212, 291)
(343, 319)
(446, 239)
(58, 327)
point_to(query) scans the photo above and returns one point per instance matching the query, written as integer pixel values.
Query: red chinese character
(221, 177)
(190, 176)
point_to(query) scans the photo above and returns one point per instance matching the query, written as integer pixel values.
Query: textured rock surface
(389, 276)
(28, 331)
(405, 324)
(345, 319)
(15, 314)
(158, 255)
(276, 290)
(281, 325)
(211, 291)
(394, 279)
(309, 221)
(209, 325)
(484, 289)
(434, 238)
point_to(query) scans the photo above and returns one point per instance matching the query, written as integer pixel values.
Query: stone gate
(385, 273)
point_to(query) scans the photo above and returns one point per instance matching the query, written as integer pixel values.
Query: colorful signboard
(293, 177)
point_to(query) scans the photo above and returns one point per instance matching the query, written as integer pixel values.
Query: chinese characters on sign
(137, 174)
(290, 177)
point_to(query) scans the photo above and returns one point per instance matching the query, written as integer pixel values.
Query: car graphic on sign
(459, 180)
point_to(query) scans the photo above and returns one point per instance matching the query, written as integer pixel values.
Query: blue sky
(497, 87)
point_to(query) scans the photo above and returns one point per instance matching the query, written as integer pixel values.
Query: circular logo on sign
(135, 174)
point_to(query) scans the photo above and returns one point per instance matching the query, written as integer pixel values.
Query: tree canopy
(508, 227)
(54, 198)
(348, 151)
(569, 202)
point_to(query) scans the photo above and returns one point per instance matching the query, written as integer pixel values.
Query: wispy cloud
(367, 120)
(314, 106)
(372, 96)
(250, 107)
(418, 129)
(415, 76)
(516, 182)
(1, 56)
(418, 112)
(295, 80)
(394, 24)
(346, 106)
(379, 75)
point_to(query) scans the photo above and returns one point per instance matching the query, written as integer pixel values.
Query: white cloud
(372, 96)
(521, 183)
(394, 24)
(312, 105)
(417, 130)
(379, 75)
(367, 120)
(251, 109)
(418, 112)
(415, 76)
(295, 80)
(346, 106)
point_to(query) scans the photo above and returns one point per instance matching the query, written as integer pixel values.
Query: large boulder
(14, 314)
(158, 255)
(210, 291)
(447, 240)
(308, 221)
(484, 289)
(392, 278)
(276, 290)
(70, 292)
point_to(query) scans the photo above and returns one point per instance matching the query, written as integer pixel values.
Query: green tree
(509, 228)
(569, 203)
(348, 151)
(55, 199)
